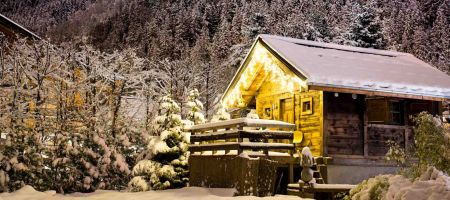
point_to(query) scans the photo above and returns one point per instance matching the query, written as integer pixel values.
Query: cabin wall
(311, 125)
(361, 125)
(286, 106)
(344, 119)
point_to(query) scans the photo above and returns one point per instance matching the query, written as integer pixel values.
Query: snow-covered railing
(229, 135)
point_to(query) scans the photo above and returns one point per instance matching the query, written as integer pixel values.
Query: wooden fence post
(240, 140)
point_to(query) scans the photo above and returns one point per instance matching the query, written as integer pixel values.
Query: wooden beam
(324, 123)
(240, 146)
(387, 126)
(253, 134)
(243, 122)
(248, 93)
(374, 93)
(365, 131)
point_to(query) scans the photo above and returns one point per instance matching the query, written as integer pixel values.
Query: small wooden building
(346, 102)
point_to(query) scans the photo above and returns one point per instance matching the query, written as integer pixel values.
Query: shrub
(431, 147)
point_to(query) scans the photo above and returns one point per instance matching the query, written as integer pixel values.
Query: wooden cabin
(346, 102)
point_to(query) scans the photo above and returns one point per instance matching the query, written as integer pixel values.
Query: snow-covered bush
(432, 184)
(166, 164)
(372, 189)
(252, 114)
(221, 114)
(432, 142)
(195, 108)
(431, 147)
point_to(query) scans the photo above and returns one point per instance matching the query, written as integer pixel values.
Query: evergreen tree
(195, 114)
(166, 166)
(257, 25)
(366, 30)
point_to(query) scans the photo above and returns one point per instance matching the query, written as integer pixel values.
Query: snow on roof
(5, 21)
(339, 66)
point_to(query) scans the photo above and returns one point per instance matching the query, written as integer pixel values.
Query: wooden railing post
(366, 134)
(240, 139)
(227, 140)
(292, 160)
(407, 134)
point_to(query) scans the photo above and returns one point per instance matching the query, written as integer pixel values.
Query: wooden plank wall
(344, 124)
(378, 137)
(311, 125)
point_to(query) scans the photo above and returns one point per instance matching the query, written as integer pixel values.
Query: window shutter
(377, 110)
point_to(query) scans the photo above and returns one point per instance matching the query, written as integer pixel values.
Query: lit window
(267, 113)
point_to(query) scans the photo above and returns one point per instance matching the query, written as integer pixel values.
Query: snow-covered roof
(339, 66)
(7, 24)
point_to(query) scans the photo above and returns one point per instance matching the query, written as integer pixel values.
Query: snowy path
(192, 193)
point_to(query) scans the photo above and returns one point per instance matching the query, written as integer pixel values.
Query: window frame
(302, 104)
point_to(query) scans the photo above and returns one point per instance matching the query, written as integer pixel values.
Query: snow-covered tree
(195, 106)
(26, 68)
(166, 163)
(366, 30)
(257, 24)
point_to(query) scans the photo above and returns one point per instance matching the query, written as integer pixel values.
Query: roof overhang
(312, 84)
(342, 89)
(244, 63)
(6, 23)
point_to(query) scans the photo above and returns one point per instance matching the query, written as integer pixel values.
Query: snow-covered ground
(190, 193)
(431, 185)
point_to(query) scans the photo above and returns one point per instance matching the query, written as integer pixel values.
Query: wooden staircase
(320, 169)
(320, 190)
(320, 174)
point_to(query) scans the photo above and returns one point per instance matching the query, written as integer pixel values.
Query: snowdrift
(432, 185)
(189, 193)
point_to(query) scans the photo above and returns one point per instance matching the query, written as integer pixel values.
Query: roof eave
(26, 31)
(303, 75)
(239, 71)
(375, 92)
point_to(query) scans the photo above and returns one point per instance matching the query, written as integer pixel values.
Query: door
(287, 110)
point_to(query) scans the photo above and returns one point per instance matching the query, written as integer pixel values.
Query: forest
(212, 36)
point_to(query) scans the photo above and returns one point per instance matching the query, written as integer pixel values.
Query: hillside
(214, 34)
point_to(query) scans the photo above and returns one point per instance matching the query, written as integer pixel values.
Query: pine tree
(257, 25)
(166, 166)
(196, 106)
(366, 30)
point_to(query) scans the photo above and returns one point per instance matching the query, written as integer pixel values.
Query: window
(306, 106)
(268, 112)
(395, 112)
(384, 111)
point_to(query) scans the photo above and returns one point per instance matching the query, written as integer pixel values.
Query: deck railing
(229, 135)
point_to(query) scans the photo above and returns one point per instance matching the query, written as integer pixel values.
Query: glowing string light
(261, 58)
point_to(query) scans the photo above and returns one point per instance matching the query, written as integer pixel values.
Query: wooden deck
(244, 134)
(318, 191)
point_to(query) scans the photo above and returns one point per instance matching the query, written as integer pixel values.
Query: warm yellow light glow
(261, 59)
